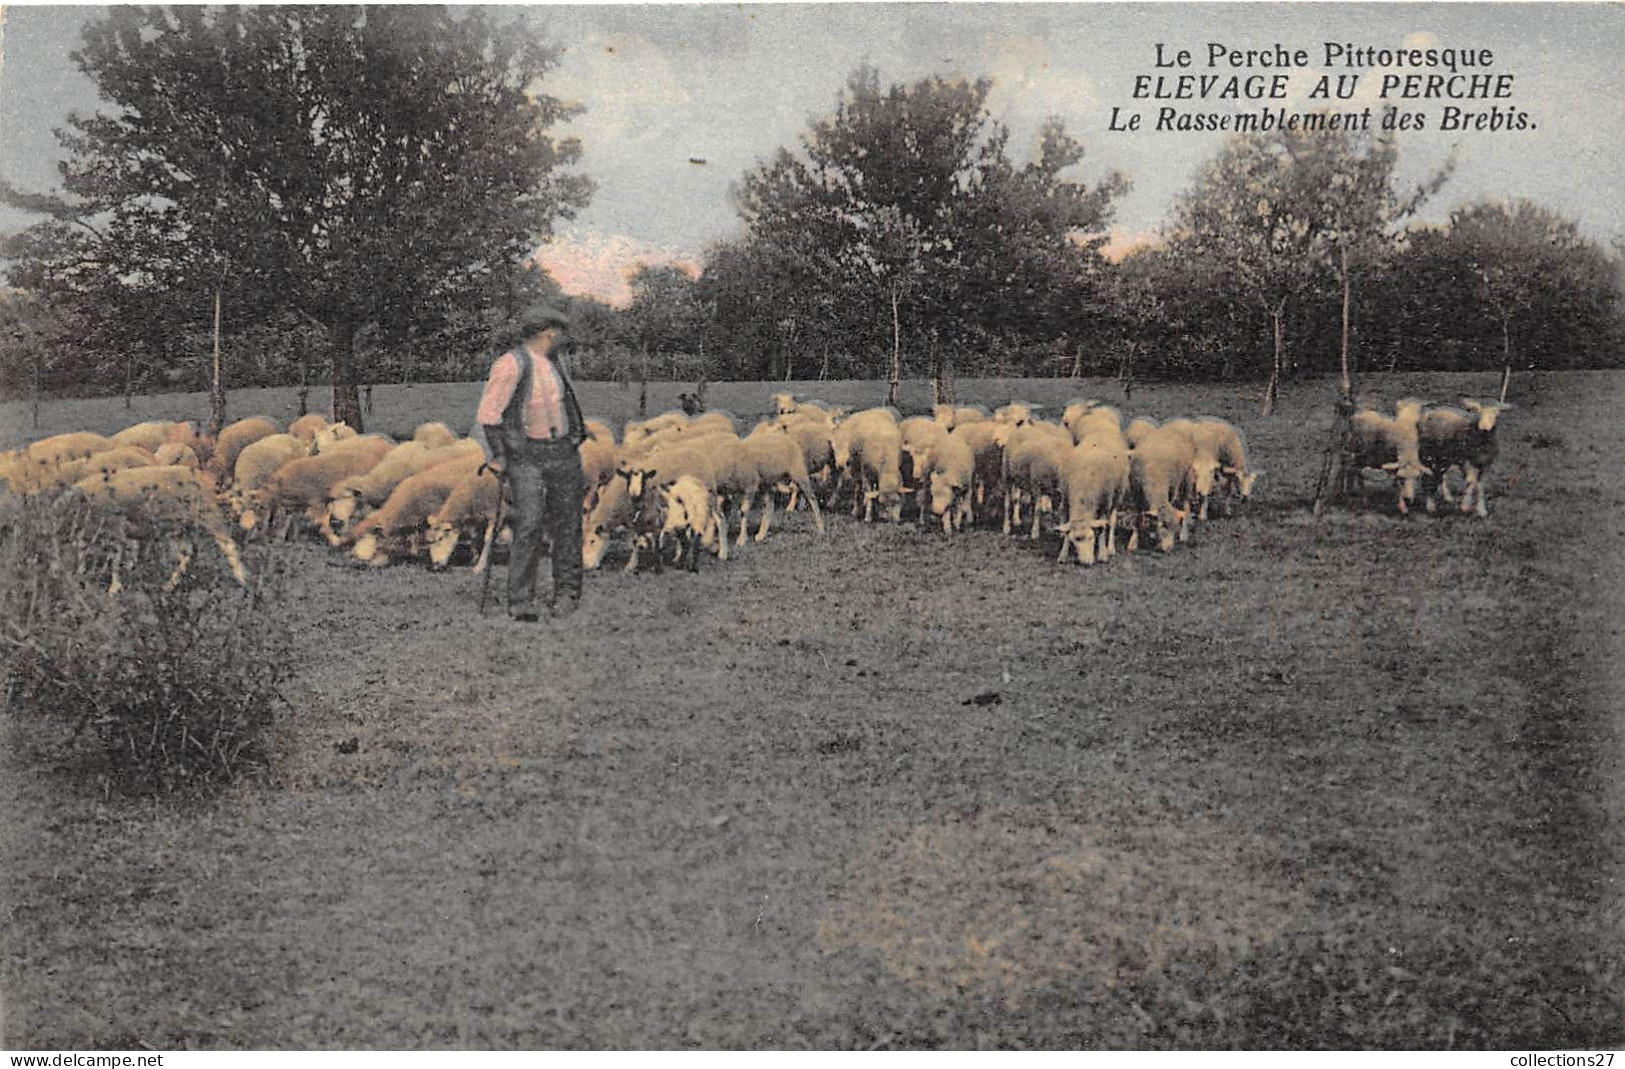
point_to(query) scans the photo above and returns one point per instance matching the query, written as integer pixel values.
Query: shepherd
(533, 429)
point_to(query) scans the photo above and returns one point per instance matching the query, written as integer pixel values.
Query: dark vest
(513, 417)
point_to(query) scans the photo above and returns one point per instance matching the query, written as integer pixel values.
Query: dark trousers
(546, 484)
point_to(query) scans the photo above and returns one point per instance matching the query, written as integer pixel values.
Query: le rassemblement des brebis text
(1406, 76)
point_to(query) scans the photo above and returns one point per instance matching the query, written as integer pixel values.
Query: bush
(133, 633)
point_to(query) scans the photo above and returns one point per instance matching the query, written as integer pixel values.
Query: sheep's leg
(746, 500)
(812, 503)
(795, 498)
(1066, 544)
(767, 514)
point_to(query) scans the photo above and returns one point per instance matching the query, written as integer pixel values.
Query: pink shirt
(543, 415)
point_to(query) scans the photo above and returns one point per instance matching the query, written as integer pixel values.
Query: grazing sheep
(352, 497)
(35, 468)
(813, 437)
(1032, 471)
(168, 493)
(950, 417)
(599, 431)
(187, 433)
(257, 463)
(847, 443)
(332, 436)
(614, 510)
(306, 427)
(435, 435)
(471, 506)
(1204, 462)
(403, 517)
(783, 404)
(304, 484)
(149, 435)
(1463, 439)
(636, 435)
(689, 521)
(921, 437)
(1093, 420)
(1391, 444)
(175, 453)
(880, 474)
(233, 440)
(951, 479)
(986, 441)
(1016, 413)
(1095, 484)
(1137, 430)
(1226, 444)
(769, 458)
(1160, 476)
(598, 459)
(101, 465)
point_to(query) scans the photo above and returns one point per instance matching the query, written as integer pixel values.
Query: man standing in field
(533, 427)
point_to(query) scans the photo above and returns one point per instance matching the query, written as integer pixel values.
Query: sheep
(688, 519)
(614, 509)
(232, 441)
(950, 417)
(1392, 444)
(1094, 483)
(771, 459)
(951, 480)
(186, 434)
(921, 437)
(598, 461)
(471, 505)
(306, 427)
(812, 436)
(783, 404)
(599, 431)
(257, 463)
(847, 443)
(352, 497)
(1016, 413)
(1226, 444)
(172, 492)
(1160, 469)
(1205, 463)
(880, 467)
(634, 434)
(1464, 439)
(408, 508)
(176, 453)
(149, 435)
(1136, 431)
(1091, 419)
(99, 465)
(434, 435)
(1032, 471)
(334, 435)
(709, 423)
(986, 441)
(304, 483)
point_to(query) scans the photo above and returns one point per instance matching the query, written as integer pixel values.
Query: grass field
(1347, 781)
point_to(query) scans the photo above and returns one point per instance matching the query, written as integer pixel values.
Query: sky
(664, 85)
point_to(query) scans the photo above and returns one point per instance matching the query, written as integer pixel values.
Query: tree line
(282, 195)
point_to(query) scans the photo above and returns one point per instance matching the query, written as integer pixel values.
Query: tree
(1277, 211)
(903, 210)
(358, 166)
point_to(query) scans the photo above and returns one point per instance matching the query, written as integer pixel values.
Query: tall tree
(905, 209)
(357, 165)
(1277, 211)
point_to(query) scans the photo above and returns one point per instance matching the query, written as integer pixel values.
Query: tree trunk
(217, 385)
(1077, 362)
(643, 388)
(304, 385)
(1126, 373)
(1506, 352)
(896, 352)
(1272, 391)
(945, 379)
(129, 374)
(1347, 383)
(823, 369)
(35, 391)
(346, 398)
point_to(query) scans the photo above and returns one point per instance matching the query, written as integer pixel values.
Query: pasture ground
(1351, 781)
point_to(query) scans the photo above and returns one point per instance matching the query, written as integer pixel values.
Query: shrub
(131, 632)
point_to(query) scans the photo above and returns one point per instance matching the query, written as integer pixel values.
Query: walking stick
(491, 534)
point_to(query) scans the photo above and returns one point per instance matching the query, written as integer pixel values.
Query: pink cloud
(601, 266)
(1121, 241)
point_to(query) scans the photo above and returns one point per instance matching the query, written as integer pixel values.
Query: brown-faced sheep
(1461, 439)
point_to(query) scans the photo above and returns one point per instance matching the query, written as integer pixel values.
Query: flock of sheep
(676, 486)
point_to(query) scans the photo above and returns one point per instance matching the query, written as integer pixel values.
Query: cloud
(630, 88)
(601, 266)
(1120, 241)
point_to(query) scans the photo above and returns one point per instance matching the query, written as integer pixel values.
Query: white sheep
(232, 440)
(305, 484)
(257, 463)
(613, 511)
(351, 498)
(405, 514)
(306, 427)
(951, 479)
(471, 506)
(1032, 471)
(1462, 439)
(434, 435)
(1095, 484)
(1226, 443)
(986, 441)
(174, 493)
(149, 435)
(1389, 443)
(1160, 486)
